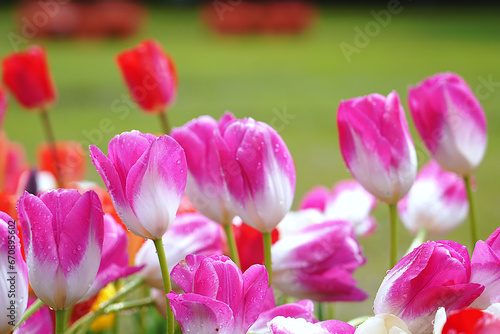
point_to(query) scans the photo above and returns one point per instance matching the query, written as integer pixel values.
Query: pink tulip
(191, 233)
(450, 121)
(206, 187)
(317, 262)
(376, 145)
(63, 235)
(436, 274)
(282, 325)
(218, 297)
(303, 309)
(437, 202)
(3, 105)
(145, 176)
(349, 201)
(485, 269)
(114, 262)
(259, 172)
(39, 323)
(14, 275)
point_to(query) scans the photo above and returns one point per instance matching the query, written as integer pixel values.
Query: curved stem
(29, 312)
(393, 215)
(129, 305)
(165, 125)
(472, 212)
(266, 238)
(60, 321)
(49, 133)
(233, 250)
(167, 286)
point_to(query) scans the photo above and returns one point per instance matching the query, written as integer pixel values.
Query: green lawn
(262, 76)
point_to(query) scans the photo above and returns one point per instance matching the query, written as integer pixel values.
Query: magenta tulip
(3, 105)
(282, 325)
(303, 309)
(485, 269)
(450, 121)
(436, 274)
(145, 176)
(437, 202)
(218, 297)
(191, 233)
(206, 187)
(376, 145)
(63, 235)
(14, 275)
(114, 262)
(259, 172)
(317, 262)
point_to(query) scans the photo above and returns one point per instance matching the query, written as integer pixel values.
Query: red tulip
(471, 321)
(70, 163)
(27, 76)
(150, 76)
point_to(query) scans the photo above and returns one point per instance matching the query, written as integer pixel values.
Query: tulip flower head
(145, 176)
(450, 121)
(70, 163)
(218, 297)
(437, 202)
(376, 145)
(283, 325)
(259, 172)
(3, 105)
(27, 76)
(471, 321)
(436, 274)
(383, 324)
(63, 235)
(150, 75)
(14, 279)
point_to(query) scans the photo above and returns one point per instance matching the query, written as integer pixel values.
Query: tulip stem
(167, 286)
(60, 321)
(49, 133)
(29, 312)
(233, 250)
(129, 305)
(418, 240)
(393, 216)
(165, 125)
(89, 318)
(266, 240)
(472, 212)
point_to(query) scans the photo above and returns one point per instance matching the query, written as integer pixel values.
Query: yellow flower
(105, 321)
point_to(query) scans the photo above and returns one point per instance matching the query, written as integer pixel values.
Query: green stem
(418, 240)
(233, 250)
(165, 125)
(331, 310)
(60, 321)
(472, 212)
(266, 239)
(319, 307)
(49, 133)
(129, 305)
(29, 312)
(167, 286)
(393, 215)
(87, 320)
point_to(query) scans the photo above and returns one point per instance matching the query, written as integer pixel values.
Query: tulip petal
(155, 185)
(255, 282)
(303, 309)
(184, 272)
(200, 314)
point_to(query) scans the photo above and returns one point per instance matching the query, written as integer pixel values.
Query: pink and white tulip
(383, 324)
(191, 233)
(485, 270)
(206, 186)
(14, 277)
(282, 325)
(145, 176)
(436, 274)
(259, 172)
(348, 200)
(437, 202)
(218, 297)
(114, 262)
(317, 262)
(376, 145)
(63, 234)
(450, 121)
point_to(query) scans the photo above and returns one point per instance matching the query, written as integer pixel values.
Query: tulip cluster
(177, 204)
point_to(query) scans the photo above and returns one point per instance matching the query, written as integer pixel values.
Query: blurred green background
(264, 76)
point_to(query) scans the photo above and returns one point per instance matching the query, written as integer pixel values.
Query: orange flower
(69, 159)
(12, 164)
